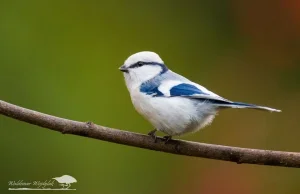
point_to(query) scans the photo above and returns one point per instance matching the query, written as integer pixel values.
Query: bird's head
(141, 67)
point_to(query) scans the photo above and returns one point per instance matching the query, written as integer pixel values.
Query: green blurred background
(62, 58)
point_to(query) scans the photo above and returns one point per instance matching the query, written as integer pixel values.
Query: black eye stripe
(137, 64)
(141, 63)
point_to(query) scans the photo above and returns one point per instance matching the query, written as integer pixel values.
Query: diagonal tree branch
(218, 152)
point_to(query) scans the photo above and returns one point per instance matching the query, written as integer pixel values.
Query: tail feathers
(244, 105)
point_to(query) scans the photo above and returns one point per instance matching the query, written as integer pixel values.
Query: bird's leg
(152, 134)
(167, 138)
(90, 124)
(63, 185)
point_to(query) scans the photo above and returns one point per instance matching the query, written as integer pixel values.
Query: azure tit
(173, 104)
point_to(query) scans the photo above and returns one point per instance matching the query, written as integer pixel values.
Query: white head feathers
(141, 67)
(144, 56)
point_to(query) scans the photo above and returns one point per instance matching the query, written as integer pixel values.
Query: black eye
(137, 64)
(140, 64)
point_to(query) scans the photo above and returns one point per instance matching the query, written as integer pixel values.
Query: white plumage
(172, 103)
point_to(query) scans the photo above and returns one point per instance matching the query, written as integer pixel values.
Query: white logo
(65, 180)
(62, 183)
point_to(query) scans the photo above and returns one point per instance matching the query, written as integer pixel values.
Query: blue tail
(242, 105)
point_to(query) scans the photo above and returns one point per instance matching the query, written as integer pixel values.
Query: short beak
(123, 69)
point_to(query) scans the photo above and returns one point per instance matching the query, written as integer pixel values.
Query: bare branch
(218, 152)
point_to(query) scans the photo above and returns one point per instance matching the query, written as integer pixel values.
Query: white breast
(174, 115)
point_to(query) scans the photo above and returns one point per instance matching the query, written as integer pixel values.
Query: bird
(65, 180)
(172, 103)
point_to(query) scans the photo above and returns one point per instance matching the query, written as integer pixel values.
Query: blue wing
(180, 89)
(185, 89)
(173, 88)
(192, 90)
(201, 93)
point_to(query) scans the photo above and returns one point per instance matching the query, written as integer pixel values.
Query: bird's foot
(152, 134)
(167, 138)
(90, 124)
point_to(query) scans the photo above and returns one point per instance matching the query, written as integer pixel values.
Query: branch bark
(202, 150)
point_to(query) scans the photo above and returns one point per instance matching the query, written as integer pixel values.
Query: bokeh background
(62, 58)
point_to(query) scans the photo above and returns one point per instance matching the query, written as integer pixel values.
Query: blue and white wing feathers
(173, 88)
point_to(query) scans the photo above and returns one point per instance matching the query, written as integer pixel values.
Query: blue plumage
(185, 89)
(150, 89)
